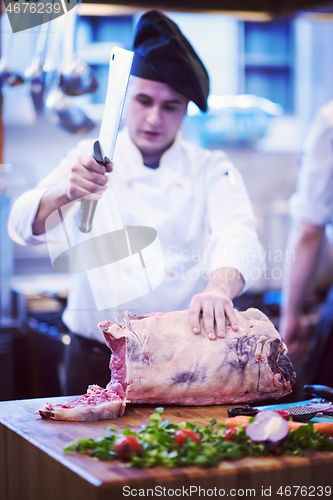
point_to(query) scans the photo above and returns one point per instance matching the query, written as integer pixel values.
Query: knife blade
(119, 72)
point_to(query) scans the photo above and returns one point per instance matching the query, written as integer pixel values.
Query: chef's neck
(152, 160)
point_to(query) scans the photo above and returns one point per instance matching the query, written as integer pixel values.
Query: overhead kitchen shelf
(266, 9)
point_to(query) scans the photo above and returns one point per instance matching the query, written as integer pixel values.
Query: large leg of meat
(97, 404)
(157, 359)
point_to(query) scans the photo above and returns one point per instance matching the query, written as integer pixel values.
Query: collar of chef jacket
(126, 151)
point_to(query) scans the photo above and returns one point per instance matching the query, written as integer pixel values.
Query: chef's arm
(215, 303)
(86, 178)
(53, 199)
(304, 245)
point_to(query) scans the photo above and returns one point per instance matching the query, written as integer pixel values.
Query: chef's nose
(154, 115)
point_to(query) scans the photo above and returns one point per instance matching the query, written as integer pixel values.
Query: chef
(194, 198)
(311, 209)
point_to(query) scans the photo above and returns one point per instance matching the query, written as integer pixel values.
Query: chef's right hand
(87, 178)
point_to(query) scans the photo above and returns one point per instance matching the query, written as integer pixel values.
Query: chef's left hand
(215, 303)
(216, 306)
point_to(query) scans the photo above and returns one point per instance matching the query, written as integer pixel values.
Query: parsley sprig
(306, 438)
(159, 446)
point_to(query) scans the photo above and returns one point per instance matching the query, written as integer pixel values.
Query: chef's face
(154, 113)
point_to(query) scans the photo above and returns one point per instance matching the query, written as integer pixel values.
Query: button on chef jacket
(198, 204)
(313, 200)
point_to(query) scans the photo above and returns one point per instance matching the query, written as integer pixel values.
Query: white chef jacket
(313, 200)
(197, 202)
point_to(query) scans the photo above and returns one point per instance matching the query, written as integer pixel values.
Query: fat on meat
(157, 359)
(96, 404)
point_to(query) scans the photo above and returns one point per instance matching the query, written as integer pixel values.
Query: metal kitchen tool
(119, 72)
(51, 65)
(59, 105)
(70, 117)
(35, 72)
(52, 56)
(301, 413)
(76, 78)
(321, 391)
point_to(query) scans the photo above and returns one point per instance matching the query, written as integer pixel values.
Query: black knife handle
(321, 391)
(88, 207)
(98, 155)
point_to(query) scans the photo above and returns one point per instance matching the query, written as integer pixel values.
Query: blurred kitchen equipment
(119, 72)
(6, 261)
(5, 171)
(76, 78)
(69, 117)
(301, 413)
(52, 57)
(58, 105)
(7, 74)
(322, 391)
(242, 410)
(231, 119)
(35, 72)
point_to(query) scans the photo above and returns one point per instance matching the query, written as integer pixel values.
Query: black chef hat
(163, 54)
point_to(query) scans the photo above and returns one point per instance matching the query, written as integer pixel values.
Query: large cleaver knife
(119, 72)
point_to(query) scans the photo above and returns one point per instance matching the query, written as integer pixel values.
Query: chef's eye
(144, 100)
(171, 107)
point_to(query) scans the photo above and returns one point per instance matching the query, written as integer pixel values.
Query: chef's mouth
(150, 133)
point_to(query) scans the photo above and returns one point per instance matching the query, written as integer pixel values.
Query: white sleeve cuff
(22, 217)
(245, 254)
(317, 214)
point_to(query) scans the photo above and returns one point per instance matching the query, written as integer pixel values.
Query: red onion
(268, 426)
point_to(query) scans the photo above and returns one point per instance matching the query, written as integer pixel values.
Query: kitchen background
(267, 79)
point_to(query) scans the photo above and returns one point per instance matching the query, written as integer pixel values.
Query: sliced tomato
(229, 433)
(284, 414)
(183, 435)
(126, 445)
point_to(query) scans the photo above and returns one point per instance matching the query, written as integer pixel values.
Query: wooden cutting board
(33, 465)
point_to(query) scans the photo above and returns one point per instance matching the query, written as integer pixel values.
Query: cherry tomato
(125, 445)
(284, 414)
(229, 433)
(183, 434)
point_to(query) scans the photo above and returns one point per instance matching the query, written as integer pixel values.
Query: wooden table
(33, 465)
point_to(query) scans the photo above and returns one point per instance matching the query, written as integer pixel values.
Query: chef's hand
(87, 178)
(215, 306)
(215, 303)
(294, 330)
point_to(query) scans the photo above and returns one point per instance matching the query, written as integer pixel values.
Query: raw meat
(157, 359)
(97, 404)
